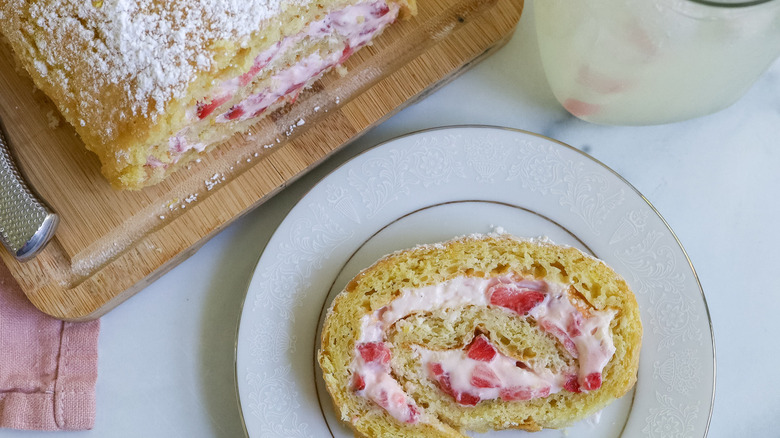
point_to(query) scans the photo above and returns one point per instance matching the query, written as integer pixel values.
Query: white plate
(432, 186)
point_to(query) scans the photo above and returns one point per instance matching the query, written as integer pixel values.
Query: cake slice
(476, 334)
(151, 84)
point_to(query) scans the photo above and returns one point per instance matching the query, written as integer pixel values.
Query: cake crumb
(497, 229)
(54, 121)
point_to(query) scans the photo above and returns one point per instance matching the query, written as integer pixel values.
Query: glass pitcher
(640, 62)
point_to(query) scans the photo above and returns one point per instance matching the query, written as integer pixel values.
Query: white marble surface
(166, 355)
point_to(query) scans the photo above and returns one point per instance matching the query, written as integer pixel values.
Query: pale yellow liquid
(638, 62)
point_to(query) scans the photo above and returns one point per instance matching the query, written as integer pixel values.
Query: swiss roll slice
(484, 332)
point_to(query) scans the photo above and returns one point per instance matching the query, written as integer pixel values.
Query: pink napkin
(48, 367)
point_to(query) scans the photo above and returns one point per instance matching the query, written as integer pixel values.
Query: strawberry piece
(380, 10)
(467, 399)
(572, 384)
(561, 335)
(414, 414)
(234, 112)
(580, 108)
(205, 109)
(573, 328)
(295, 97)
(247, 77)
(294, 88)
(639, 38)
(177, 144)
(446, 386)
(519, 300)
(481, 349)
(409, 413)
(521, 393)
(592, 381)
(443, 379)
(382, 399)
(258, 112)
(599, 82)
(346, 53)
(515, 393)
(258, 65)
(374, 352)
(484, 377)
(358, 384)
(522, 365)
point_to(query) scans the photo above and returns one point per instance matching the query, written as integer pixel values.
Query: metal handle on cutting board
(26, 223)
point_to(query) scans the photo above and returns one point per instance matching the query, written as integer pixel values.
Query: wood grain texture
(111, 244)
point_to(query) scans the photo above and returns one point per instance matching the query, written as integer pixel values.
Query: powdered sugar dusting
(145, 52)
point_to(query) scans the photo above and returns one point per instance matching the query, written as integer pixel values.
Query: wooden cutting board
(111, 244)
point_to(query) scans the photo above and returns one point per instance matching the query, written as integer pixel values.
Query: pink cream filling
(480, 371)
(287, 83)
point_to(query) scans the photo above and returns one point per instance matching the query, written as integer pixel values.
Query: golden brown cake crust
(115, 65)
(479, 256)
(122, 72)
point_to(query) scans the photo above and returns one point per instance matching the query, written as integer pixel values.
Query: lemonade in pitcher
(638, 62)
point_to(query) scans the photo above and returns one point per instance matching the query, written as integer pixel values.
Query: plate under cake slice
(151, 84)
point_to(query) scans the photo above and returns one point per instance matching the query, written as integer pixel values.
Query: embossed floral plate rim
(295, 271)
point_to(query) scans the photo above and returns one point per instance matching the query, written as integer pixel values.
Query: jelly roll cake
(151, 84)
(485, 332)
